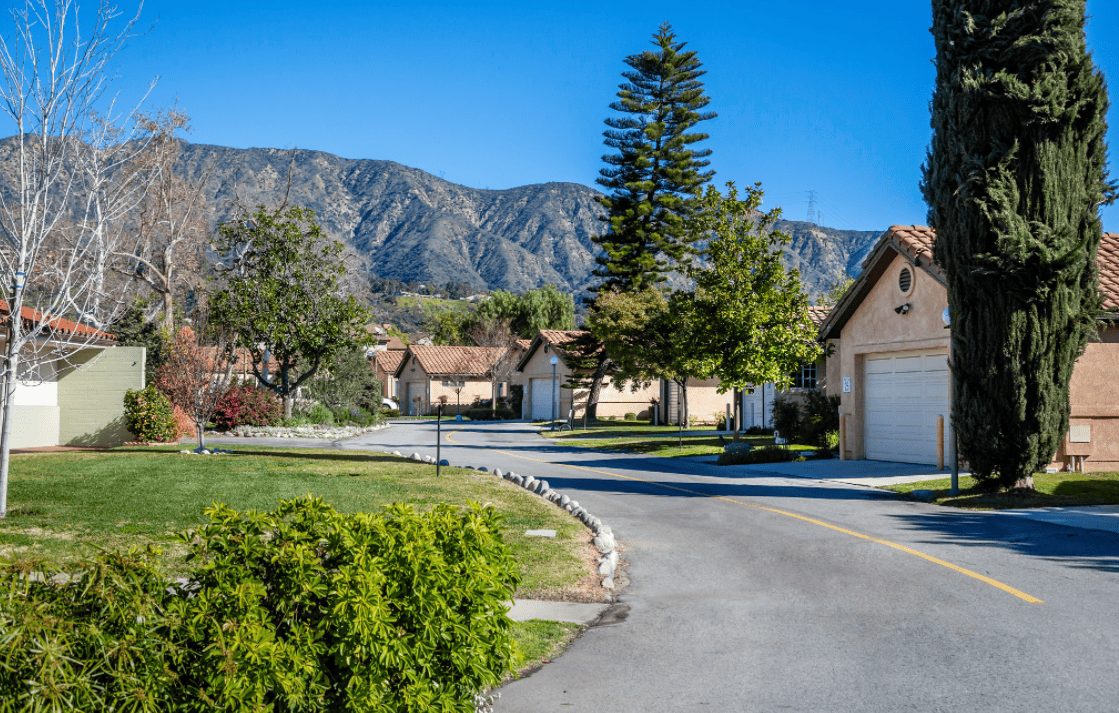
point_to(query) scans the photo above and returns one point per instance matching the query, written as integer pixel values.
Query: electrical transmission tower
(813, 212)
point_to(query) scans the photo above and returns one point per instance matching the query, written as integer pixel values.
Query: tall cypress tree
(1016, 173)
(656, 174)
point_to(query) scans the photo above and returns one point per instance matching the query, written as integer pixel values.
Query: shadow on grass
(351, 456)
(1071, 546)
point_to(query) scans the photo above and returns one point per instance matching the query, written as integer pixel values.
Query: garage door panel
(904, 395)
(541, 398)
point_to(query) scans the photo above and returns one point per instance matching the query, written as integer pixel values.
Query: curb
(604, 535)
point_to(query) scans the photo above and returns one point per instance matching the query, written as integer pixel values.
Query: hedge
(296, 609)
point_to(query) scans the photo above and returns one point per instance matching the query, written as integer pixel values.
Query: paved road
(757, 591)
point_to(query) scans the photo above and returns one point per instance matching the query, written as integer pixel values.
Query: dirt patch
(589, 589)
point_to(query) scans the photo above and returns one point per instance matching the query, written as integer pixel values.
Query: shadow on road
(1071, 546)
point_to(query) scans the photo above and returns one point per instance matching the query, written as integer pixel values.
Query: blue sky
(824, 96)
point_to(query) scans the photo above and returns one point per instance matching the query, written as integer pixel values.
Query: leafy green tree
(751, 323)
(1015, 176)
(347, 380)
(648, 335)
(656, 174)
(835, 291)
(283, 297)
(446, 326)
(543, 308)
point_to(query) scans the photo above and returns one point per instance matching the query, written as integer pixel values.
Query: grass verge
(659, 443)
(541, 641)
(66, 505)
(1051, 490)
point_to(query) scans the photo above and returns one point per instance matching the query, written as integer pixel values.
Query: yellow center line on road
(902, 548)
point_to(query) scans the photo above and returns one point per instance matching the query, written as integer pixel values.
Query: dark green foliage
(820, 421)
(787, 417)
(132, 330)
(1016, 173)
(347, 380)
(656, 173)
(485, 413)
(300, 609)
(284, 296)
(765, 454)
(148, 415)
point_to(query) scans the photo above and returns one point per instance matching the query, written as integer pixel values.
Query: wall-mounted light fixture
(903, 309)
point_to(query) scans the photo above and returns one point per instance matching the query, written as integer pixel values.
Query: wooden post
(940, 442)
(843, 436)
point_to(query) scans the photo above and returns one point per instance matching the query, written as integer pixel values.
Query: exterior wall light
(903, 309)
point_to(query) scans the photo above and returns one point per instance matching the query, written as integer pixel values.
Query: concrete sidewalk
(573, 612)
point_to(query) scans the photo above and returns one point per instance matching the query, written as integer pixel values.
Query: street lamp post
(554, 361)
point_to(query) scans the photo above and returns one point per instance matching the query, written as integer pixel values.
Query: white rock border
(604, 536)
(326, 433)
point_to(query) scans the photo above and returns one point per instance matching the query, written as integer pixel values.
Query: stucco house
(385, 362)
(77, 400)
(452, 375)
(542, 393)
(890, 365)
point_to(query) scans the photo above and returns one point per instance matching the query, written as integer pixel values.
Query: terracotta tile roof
(393, 344)
(463, 361)
(916, 241)
(818, 314)
(389, 360)
(1108, 260)
(59, 326)
(557, 337)
(524, 344)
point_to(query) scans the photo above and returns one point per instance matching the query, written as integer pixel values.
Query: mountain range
(412, 226)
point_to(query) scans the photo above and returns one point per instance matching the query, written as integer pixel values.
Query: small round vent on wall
(905, 280)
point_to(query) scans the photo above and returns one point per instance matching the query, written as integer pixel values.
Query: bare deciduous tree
(502, 354)
(70, 188)
(170, 228)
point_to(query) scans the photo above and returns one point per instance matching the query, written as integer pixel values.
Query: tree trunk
(1025, 482)
(9, 387)
(199, 428)
(738, 415)
(289, 401)
(596, 388)
(169, 312)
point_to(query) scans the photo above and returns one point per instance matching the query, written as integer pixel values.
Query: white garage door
(542, 399)
(905, 393)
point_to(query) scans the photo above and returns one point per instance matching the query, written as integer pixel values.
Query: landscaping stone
(518, 480)
(604, 542)
(483, 469)
(444, 462)
(564, 500)
(607, 582)
(416, 457)
(397, 453)
(498, 472)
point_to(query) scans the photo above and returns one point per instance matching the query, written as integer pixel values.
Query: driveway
(754, 590)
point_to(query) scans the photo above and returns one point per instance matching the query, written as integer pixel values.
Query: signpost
(438, 438)
(554, 361)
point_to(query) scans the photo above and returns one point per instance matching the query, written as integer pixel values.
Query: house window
(805, 377)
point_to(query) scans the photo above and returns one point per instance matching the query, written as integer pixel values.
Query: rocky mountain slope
(410, 225)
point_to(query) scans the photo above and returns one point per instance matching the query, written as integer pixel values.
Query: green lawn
(1052, 490)
(63, 505)
(652, 440)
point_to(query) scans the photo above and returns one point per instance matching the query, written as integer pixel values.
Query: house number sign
(846, 384)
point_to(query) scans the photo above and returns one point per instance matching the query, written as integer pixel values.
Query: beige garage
(905, 395)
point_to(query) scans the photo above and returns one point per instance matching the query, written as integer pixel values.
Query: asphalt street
(756, 591)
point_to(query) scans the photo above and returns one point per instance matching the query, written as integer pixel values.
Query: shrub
(244, 405)
(486, 414)
(765, 454)
(318, 414)
(820, 417)
(391, 413)
(631, 416)
(148, 415)
(296, 609)
(787, 419)
(184, 421)
(759, 431)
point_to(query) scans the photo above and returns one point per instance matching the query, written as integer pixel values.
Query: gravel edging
(603, 540)
(327, 433)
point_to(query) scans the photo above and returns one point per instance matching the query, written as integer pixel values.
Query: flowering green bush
(247, 406)
(299, 609)
(149, 416)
